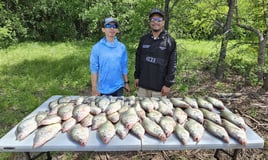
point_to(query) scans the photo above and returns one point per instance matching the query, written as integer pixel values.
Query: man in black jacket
(156, 59)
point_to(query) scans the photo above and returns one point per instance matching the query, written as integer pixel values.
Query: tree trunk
(225, 39)
(265, 81)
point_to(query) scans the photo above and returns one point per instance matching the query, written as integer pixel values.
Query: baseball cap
(109, 20)
(157, 11)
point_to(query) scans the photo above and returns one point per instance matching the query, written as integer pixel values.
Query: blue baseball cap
(109, 20)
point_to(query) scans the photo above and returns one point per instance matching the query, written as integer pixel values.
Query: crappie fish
(216, 130)
(45, 134)
(191, 101)
(129, 118)
(94, 109)
(40, 116)
(25, 128)
(114, 117)
(79, 100)
(124, 108)
(147, 104)
(98, 120)
(68, 124)
(182, 134)
(113, 107)
(179, 103)
(195, 114)
(166, 101)
(155, 102)
(202, 103)
(235, 132)
(121, 130)
(103, 102)
(214, 117)
(65, 99)
(50, 119)
(234, 118)
(165, 109)
(195, 129)
(55, 109)
(79, 134)
(139, 110)
(216, 102)
(87, 121)
(52, 104)
(180, 116)
(138, 130)
(106, 132)
(66, 111)
(155, 116)
(80, 112)
(153, 129)
(168, 124)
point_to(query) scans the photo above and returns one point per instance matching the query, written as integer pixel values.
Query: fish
(177, 102)
(195, 129)
(121, 130)
(153, 129)
(216, 102)
(182, 134)
(46, 133)
(165, 109)
(235, 132)
(80, 112)
(103, 102)
(195, 114)
(50, 119)
(214, 117)
(68, 124)
(66, 111)
(98, 120)
(114, 117)
(124, 108)
(138, 130)
(166, 101)
(234, 118)
(155, 102)
(216, 130)
(79, 134)
(94, 109)
(40, 116)
(55, 109)
(79, 100)
(155, 116)
(64, 99)
(147, 104)
(53, 104)
(87, 121)
(202, 103)
(191, 101)
(168, 124)
(26, 127)
(180, 116)
(106, 132)
(129, 118)
(113, 107)
(139, 110)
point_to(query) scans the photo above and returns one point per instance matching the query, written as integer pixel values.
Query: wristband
(127, 82)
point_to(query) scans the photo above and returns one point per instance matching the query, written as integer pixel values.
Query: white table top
(62, 142)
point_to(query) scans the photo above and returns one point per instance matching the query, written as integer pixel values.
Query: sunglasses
(115, 26)
(156, 19)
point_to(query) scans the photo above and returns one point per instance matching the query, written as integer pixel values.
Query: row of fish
(159, 117)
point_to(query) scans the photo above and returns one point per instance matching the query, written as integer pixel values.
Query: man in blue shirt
(109, 63)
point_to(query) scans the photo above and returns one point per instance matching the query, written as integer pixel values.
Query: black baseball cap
(157, 11)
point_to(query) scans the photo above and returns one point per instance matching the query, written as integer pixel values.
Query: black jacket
(156, 61)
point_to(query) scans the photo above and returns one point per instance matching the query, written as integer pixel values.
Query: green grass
(31, 72)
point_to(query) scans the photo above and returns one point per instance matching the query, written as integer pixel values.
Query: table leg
(234, 155)
(28, 156)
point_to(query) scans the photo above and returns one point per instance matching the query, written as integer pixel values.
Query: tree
(255, 20)
(225, 38)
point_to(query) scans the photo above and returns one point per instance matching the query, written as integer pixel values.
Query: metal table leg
(233, 156)
(28, 155)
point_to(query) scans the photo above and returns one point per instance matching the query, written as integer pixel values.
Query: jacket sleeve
(138, 61)
(172, 64)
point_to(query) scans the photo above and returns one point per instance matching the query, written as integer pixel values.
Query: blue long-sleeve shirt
(109, 60)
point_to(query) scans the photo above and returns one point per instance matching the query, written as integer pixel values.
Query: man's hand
(165, 91)
(137, 83)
